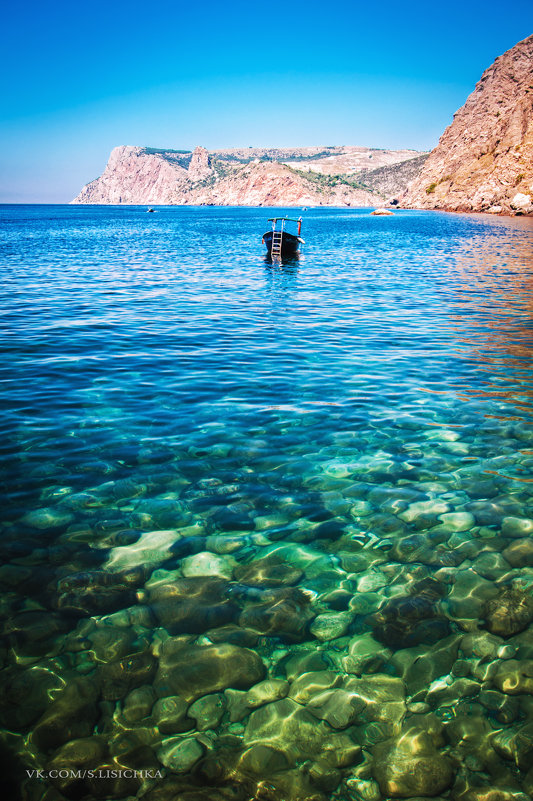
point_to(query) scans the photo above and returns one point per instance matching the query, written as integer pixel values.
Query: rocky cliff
(484, 159)
(249, 177)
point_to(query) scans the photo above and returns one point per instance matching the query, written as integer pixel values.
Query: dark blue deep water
(267, 530)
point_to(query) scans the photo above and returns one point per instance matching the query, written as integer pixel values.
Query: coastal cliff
(328, 176)
(484, 159)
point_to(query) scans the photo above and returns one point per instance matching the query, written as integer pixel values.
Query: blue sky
(80, 78)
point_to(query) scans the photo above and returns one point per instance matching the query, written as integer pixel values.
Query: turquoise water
(267, 529)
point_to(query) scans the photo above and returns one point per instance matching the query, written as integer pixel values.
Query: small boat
(150, 209)
(281, 243)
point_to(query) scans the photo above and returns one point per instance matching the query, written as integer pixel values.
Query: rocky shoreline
(484, 159)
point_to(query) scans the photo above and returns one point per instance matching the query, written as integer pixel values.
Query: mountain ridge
(321, 175)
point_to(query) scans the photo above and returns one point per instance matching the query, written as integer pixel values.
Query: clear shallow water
(327, 463)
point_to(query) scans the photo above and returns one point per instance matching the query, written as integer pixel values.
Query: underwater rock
(365, 655)
(363, 789)
(371, 580)
(110, 781)
(138, 704)
(195, 671)
(25, 694)
(208, 564)
(70, 716)
(161, 513)
(207, 711)
(458, 521)
(505, 708)
(98, 591)
(420, 666)
(180, 755)
(262, 760)
(287, 726)
(76, 755)
(515, 744)
(119, 677)
(192, 605)
(383, 696)
(296, 664)
(108, 643)
(330, 625)
(233, 634)
(267, 572)
(411, 766)
(519, 553)
(95, 600)
(431, 508)
(286, 615)
(517, 527)
(509, 612)
(227, 519)
(413, 548)
(441, 694)
(315, 682)
(337, 707)
(35, 633)
(151, 549)
(410, 620)
(468, 596)
(237, 705)
(266, 691)
(170, 715)
(134, 748)
(514, 676)
(491, 565)
(47, 518)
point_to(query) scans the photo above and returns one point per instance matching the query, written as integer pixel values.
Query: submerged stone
(340, 708)
(170, 715)
(514, 676)
(70, 716)
(118, 678)
(25, 694)
(411, 766)
(330, 625)
(194, 671)
(509, 613)
(289, 727)
(208, 564)
(138, 704)
(517, 527)
(412, 620)
(179, 755)
(520, 553)
(267, 691)
(286, 615)
(270, 571)
(192, 605)
(207, 711)
(313, 683)
(48, 518)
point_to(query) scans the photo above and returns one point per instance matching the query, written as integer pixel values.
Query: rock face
(484, 159)
(334, 176)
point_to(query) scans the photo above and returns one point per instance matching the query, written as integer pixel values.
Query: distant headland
(483, 162)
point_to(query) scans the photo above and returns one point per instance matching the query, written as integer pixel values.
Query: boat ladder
(277, 237)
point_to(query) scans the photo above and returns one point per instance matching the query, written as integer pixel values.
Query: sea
(267, 528)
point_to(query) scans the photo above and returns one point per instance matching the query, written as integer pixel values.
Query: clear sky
(79, 78)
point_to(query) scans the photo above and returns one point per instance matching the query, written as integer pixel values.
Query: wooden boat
(280, 243)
